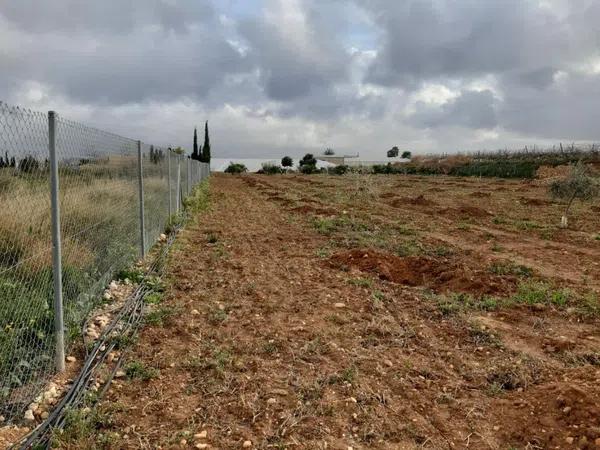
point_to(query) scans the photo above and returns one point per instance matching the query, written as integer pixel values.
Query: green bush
(271, 169)
(338, 170)
(236, 168)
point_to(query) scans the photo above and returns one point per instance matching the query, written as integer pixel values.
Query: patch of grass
(316, 347)
(323, 252)
(509, 375)
(533, 292)
(160, 316)
(480, 336)
(597, 237)
(123, 341)
(456, 303)
(217, 316)
(497, 248)
(135, 275)
(327, 226)
(583, 359)
(137, 370)
(361, 282)
(324, 225)
(405, 230)
(527, 225)
(441, 250)
(212, 238)
(347, 375)
(378, 296)
(463, 226)
(409, 248)
(499, 221)
(589, 305)
(508, 268)
(336, 319)
(270, 347)
(154, 298)
(81, 425)
(155, 284)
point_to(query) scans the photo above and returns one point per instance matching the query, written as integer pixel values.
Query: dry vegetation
(389, 312)
(99, 218)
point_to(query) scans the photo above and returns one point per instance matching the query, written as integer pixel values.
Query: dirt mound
(479, 194)
(415, 201)
(306, 209)
(388, 195)
(563, 411)
(439, 275)
(436, 189)
(534, 201)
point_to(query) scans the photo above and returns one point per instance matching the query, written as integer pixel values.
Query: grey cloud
(296, 63)
(145, 64)
(566, 110)
(468, 38)
(471, 109)
(106, 16)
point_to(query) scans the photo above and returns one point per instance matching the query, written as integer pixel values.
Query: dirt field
(384, 312)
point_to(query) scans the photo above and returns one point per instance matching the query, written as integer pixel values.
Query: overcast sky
(290, 76)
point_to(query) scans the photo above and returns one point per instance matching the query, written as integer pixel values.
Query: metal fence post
(169, 177)
(178, 183)
(141, 198)
(189, 175)
(59, 325)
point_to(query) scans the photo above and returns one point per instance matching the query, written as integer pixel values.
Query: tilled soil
(325, 324)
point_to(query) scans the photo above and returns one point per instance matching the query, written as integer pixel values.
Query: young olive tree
(578, 185)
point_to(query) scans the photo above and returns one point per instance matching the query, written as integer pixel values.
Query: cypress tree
(206, 147)
(195, 154)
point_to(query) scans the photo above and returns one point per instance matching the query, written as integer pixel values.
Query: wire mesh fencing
(115, 197)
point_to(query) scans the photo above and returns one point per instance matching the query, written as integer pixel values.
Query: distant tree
(13, 162)
(206, 146)
(577, 185)
(308, 164)
(393, 153)
(196, 152)
(406, 155)
(329, 152)
(29, 164)
(236, 168)
(286, 161)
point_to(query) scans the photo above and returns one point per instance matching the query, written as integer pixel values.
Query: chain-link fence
(115, 197)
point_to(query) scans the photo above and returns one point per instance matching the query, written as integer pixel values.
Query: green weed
(139, 371)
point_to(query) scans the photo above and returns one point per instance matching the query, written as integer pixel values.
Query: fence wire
(100, 230)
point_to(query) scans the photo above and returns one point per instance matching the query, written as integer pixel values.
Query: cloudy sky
(290, 76)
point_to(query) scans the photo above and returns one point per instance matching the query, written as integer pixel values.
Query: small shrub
(506, 268)
(138, 370)
(338, 170)
(236, 168)
(271, 169)
(578, 185)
